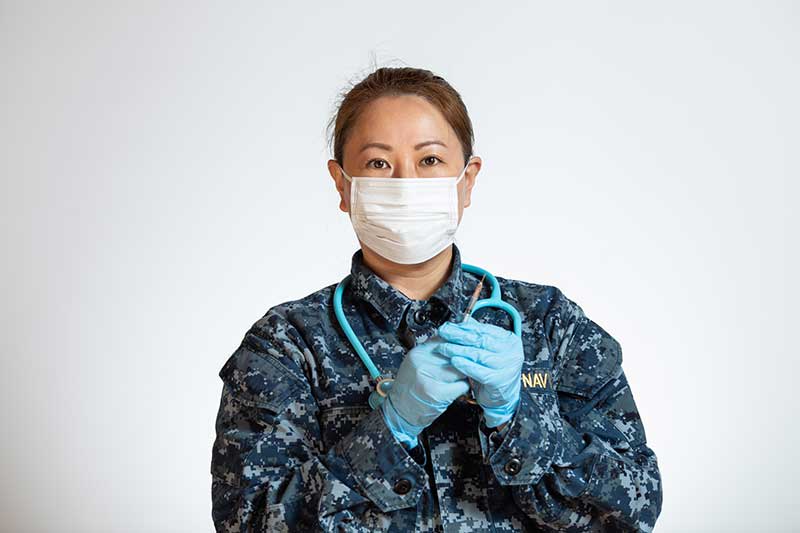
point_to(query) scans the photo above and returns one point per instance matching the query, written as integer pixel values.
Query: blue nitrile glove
(426, 384)
(492, 356)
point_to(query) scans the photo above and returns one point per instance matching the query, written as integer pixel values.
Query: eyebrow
(389, 148)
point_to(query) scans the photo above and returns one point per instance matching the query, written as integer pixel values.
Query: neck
(418, 281)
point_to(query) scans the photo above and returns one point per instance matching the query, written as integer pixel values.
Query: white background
(164, 184)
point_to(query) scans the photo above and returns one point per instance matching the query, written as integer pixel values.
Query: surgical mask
(405, 220)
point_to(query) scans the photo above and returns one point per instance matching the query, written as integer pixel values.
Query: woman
(482, 427)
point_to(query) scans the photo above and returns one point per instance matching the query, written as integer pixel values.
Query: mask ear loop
(458, 180)
(462, 170)
(345, 175)
(352, 190)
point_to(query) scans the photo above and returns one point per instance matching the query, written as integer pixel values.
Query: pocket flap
(590, 361)
(260, 379)
(338, 422)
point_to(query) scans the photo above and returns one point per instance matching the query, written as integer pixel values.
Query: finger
(476, 371)
(433, 358)
(442, 374)
(442, 393)
(495, 339)
(484, 327)
(436, 366)
(476, 355)
(464, 337)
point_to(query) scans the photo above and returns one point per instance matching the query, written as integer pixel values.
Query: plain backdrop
(164, 184)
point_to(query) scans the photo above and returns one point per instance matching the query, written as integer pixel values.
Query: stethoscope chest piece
(381, 390)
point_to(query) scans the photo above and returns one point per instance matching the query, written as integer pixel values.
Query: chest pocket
(260, 380)
(592, 362)
(337, 422)
(592, 359)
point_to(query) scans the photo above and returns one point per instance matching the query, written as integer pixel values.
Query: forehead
(401, 121)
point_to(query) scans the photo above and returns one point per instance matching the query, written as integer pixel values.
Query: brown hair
(397, 81)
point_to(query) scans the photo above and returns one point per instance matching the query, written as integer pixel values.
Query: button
(402, 486)
(513, 466)
(420, 316)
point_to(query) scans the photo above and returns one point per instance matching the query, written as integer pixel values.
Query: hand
(492, 356)
(426, 384)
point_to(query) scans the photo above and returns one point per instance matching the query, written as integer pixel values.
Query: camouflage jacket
(297, 447)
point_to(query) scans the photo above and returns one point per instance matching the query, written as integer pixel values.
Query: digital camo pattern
(297, 447)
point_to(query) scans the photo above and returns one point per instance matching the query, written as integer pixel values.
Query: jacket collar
(392, 304)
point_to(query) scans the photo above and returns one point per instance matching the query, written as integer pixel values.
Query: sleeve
(575, 453)
(270, 469)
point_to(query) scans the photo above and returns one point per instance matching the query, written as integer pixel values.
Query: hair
(399, 81)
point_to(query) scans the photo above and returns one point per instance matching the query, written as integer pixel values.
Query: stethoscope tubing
(494, 300)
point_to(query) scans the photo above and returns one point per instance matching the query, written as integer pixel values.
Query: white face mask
(405, 220)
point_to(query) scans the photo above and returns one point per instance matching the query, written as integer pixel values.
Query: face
(403, 137)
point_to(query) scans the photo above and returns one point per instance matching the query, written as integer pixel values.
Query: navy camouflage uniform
(298, 448)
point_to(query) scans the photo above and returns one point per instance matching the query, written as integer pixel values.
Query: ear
(342, 185)
(470, 175)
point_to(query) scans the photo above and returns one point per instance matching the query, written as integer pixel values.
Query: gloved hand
(492, 356)
(425, 385)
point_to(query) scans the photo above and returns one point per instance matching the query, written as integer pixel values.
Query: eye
(434, 158)
(369, 163)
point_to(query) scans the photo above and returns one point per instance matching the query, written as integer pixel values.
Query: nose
(405, 169)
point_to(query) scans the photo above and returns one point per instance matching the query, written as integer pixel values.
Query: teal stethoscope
(383, 384)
